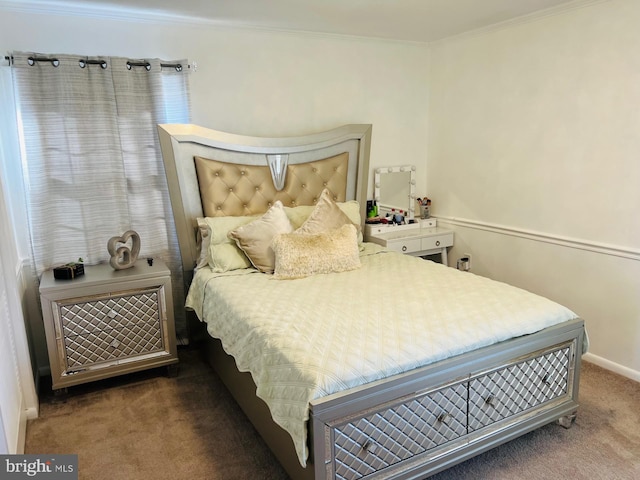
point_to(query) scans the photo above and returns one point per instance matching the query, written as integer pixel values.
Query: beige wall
(264, 83)
(533, 158)
(261, 83)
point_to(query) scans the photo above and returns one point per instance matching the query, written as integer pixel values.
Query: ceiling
(409, 20)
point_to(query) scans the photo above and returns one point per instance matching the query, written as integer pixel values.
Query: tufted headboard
(212, 173)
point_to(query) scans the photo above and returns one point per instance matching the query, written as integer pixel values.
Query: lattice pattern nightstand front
(108, 322)
(109, 328)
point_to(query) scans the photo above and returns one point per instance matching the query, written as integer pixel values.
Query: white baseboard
(22, 432)
(614, 367)
(16, 445)
(25, 414)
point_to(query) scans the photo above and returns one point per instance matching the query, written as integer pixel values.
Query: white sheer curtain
(91, 159)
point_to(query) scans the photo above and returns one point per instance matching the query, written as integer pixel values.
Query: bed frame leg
(568, 420)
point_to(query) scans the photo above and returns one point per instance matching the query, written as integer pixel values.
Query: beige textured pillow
(326, 215)
(299, 255)
(254, 238)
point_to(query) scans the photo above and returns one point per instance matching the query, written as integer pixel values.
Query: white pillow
(203, 240)
(223, 254)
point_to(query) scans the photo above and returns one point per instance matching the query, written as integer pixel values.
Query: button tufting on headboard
(229, 189)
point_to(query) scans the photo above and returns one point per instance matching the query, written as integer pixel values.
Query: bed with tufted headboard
(350, 360)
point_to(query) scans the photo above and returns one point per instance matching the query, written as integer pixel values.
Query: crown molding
(103, 11)
(160, 17)
(154, 16)
(521, 20)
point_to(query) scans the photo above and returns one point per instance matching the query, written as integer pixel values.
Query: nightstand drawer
(437, 241)
(84, 351)
(109, 327)
(405, 245)
(80, 316)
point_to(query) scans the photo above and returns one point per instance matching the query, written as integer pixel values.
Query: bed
(352, 361)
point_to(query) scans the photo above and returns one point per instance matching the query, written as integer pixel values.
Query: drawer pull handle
(437, 243)
(114, 344)
(491, 401)
(444, 417)
(112, 314)
(369, 447)
(404, 248)
(545, 379)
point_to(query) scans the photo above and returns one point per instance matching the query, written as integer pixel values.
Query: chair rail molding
(588, 245)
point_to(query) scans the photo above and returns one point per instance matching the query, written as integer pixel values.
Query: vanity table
(418, 239)
(394, 190)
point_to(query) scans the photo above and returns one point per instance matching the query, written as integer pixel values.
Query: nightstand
(412, 239)
(108, 322)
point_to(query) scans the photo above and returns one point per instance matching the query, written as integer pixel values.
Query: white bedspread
(306, 338)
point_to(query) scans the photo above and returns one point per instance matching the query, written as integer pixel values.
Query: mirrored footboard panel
(417, 424)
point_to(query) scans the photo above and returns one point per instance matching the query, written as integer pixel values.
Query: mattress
(306, 338)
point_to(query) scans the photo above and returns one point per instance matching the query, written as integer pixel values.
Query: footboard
(420, 423)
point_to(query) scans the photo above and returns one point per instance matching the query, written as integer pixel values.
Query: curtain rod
(83, 63)
(32, 60)
(147, 65)
(177, 66)
(103, 64)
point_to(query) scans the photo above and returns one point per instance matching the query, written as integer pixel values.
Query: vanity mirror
(394, 188)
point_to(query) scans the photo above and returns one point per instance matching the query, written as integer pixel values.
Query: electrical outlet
(464, 262)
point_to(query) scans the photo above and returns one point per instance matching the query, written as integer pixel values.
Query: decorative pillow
(254, 238)
(299, 255)
(223, 253)
(326, 215)
(203, 240)
(298, 215)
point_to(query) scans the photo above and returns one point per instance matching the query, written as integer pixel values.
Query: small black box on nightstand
(68, 271)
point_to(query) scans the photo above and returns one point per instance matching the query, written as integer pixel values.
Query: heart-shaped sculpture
(122, 257)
